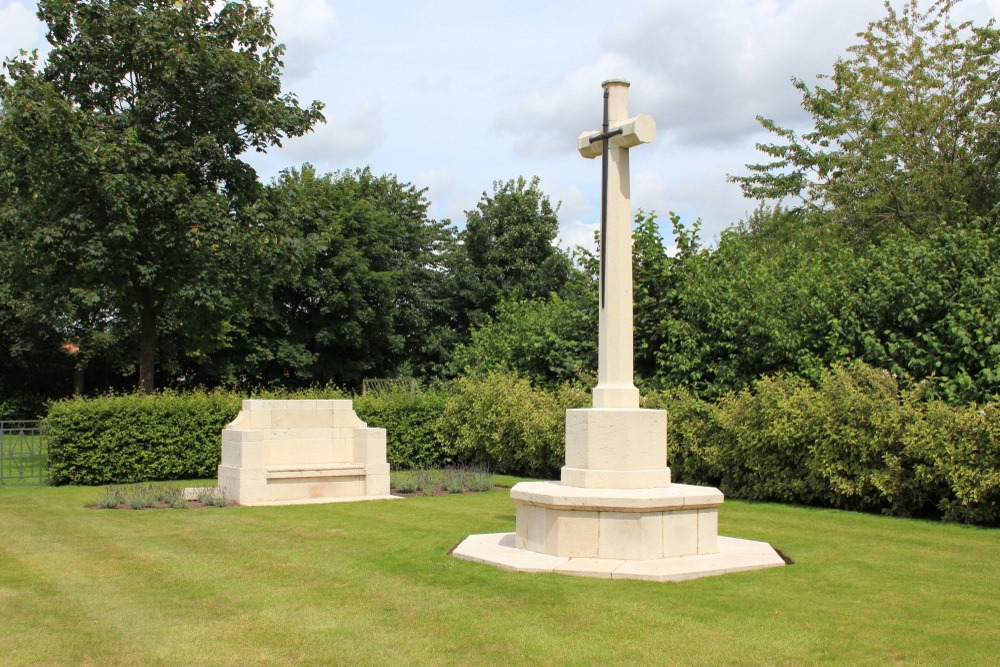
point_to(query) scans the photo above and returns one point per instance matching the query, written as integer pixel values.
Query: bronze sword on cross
(618, 133)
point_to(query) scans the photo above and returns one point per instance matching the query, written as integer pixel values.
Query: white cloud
(19, 29)
(703, 70)
(306, 28)
(341, 138)
(548, 122)
(577, 233)
(574, 209)
(449, 200)
(440, 179)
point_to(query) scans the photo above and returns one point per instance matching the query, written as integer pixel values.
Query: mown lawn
(371, 583)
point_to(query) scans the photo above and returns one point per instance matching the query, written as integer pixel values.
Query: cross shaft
(615, 387)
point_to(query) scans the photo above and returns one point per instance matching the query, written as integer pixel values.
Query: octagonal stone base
(628, 524)
(667, 533)
(734, 555)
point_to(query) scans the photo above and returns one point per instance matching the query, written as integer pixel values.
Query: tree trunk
(148, 339)
(77, 381)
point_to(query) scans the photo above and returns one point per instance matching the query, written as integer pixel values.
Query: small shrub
(407, 483)
(112, 497)
(140, 497)
(453, 481)
(968, 461)
(501, 422)
(423, 481)
(427, 481)
(769, 434)
(696, 440)
(212, 496)
(861, 418)
(168, 494)
(479, 481)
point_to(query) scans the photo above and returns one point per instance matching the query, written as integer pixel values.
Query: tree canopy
(131, 223)
(508, 249)
(906, 135)
(131, 218)
(362, 295)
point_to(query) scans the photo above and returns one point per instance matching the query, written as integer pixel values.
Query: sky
(453, 95)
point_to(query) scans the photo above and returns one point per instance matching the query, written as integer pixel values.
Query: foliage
(654, 290)
(22, 406)
(965, 446)
(546, 340)
(507, 251)
(905, 138)
(153, 495)
(783, 293)
(111, 497)
(498, 421)
(212, 496)
(853, 441)
(761, 302)
(365, 295)
(929, 309)
(135, 438)
(412, 422)
(130, 220)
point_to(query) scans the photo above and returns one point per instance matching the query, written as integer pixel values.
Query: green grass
(371, 583)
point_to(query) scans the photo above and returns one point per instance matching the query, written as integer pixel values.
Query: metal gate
(24, 453)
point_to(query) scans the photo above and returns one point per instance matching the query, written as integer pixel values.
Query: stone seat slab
(308, 471)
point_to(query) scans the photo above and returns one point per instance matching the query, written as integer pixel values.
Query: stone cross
(615, 383)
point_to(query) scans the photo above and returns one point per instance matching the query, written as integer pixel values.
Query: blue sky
(455, 94)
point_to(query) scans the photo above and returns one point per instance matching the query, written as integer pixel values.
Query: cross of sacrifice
(615, 386)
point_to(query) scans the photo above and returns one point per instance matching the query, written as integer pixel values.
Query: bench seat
(312, 471)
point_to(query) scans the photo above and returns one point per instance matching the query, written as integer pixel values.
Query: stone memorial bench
(293, 452)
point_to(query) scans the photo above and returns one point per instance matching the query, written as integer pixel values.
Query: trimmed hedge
(414, 437)
(852, 441)
(502, 423)
(137, 438)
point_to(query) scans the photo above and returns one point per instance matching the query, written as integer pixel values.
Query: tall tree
(365, 293)
(507, 250)
(121, 155)
(906, 136)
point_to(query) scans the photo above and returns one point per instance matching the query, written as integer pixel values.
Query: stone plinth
(616, 448)
(296, 452)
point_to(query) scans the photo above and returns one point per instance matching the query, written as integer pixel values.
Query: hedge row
(137, 438)
(852, 441)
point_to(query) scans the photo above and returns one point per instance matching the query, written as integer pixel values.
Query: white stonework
(616, 448)
(298, 452)
(625, 524)
(732, 555)
(615, 512)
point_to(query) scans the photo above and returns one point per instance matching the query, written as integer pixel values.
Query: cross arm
(637, 130)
